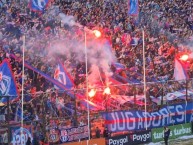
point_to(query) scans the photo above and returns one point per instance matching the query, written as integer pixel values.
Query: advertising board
(131, 139)
(175, 132)
(140, 137)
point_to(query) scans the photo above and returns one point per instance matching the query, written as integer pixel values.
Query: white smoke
(99, 56)
(67, 19)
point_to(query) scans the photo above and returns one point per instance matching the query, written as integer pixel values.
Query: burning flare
(107, 91)
(184, 57)
(97, 33)
(92, 93)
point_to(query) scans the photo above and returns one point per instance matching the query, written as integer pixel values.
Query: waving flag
(133, 7)
(62, 76)
(179, 71)
(119, 66)
(7, 83)
(38, 5)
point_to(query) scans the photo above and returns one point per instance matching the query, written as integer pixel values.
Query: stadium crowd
(168, 26)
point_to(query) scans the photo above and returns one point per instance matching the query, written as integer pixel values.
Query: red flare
(184, 57)
(97, 33)
(92, 93)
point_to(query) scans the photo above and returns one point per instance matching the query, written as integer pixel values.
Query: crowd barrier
(141, 137)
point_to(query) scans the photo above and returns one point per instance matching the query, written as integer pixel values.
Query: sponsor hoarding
(140, 137)
(131, 139)
(100, 141)
(175, 132)
(119, 140)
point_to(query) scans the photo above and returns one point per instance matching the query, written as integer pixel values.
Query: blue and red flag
(7, 83)
(38, 5)
(133, 8)
(62, 76)
(119, 66)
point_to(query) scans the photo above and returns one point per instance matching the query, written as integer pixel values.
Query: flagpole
(86, 63)
(8, 119)
(22, 86)
(144, 79)
(186, 99)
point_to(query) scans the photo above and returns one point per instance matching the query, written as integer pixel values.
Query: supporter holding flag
(61, 75)
(38, 5)
(7, 83)
(133, 7)
(180, 72)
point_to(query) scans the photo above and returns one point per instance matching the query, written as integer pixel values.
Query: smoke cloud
(72, 44)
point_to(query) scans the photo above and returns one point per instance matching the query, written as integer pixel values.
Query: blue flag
(133, 7)
(62, 76)
(38, 5)
(119, 66)
(7, 83)
(49, 78)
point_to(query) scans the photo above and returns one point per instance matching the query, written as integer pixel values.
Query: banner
(175, 132)
(20, 135)
(135, 120)
(7, 82)
(131, 139)
(74, 134)
(100, 141)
